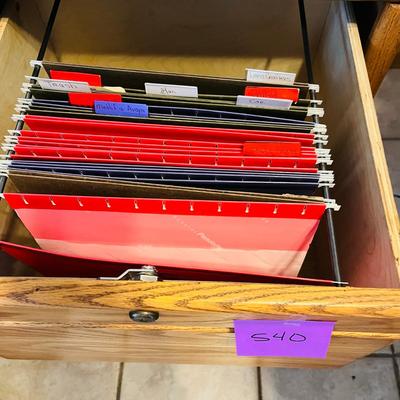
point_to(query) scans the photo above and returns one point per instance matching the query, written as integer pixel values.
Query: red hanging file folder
(166, 138)
(229, 236)
(300, 164)
(265, 148)
(261, 149)
(105, 127)
(62, 265)
(89, 145)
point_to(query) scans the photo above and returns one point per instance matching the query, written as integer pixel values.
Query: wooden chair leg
(383, 44)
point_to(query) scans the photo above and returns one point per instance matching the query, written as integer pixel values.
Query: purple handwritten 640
(263, 338)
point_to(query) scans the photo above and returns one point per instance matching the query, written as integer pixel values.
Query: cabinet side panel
(367, 225)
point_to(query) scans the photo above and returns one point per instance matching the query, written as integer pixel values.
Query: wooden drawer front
(88, 319)
(78, 319)
(168, 345)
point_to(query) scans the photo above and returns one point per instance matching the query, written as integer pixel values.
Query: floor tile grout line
(396, 369)
(119, 381)
(380, 355)
(259, 384)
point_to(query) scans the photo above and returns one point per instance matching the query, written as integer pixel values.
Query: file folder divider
(313, 89)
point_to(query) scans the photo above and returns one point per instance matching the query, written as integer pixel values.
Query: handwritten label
(121, 109)
(274, 77)
(306, 339)
(263, 102)
(171, 90)
(272, 149)
(67, 86)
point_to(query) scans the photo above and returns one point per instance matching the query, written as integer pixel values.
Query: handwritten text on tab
(171, 90)
(67, 86)
(273, 77)
(263, 102)
(306, 339)
(121, 109)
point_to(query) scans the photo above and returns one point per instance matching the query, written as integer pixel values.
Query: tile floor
(373, 378)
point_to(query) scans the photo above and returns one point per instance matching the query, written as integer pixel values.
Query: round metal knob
(143, 316)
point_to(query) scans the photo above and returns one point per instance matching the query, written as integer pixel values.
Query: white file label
(68, 86)
(171, 90)
(273, 77)
(263, 102)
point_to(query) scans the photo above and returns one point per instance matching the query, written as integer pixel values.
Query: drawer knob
(143, 316)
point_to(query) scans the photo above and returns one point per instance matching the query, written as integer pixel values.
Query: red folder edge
(273, 92)
(61, 265)
(91, 79)
(84, 224)
(88, 99)
(166, 206)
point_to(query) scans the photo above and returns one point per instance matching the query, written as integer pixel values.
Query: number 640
(265, 337)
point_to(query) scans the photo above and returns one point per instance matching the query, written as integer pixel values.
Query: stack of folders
(199, 177)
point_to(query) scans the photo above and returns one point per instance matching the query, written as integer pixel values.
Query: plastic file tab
(121, 109)
(90, 79)
(63, 85)
(171, 90)
(273, 92)
(274, 77)
(263, 102)
(88, 99)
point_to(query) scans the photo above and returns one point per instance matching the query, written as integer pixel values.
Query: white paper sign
(68, 86)
(263, 102)
(171, 90)
(273, 77)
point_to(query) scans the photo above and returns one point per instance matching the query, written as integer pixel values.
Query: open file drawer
(84, 319)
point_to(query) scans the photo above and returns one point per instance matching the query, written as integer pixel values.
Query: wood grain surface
(83, 319)
(21, 30)
(383, 44)
(367, 225)
(196, 304)
(73, 343)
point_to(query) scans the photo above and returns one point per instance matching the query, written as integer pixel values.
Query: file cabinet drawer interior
(162, 39)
